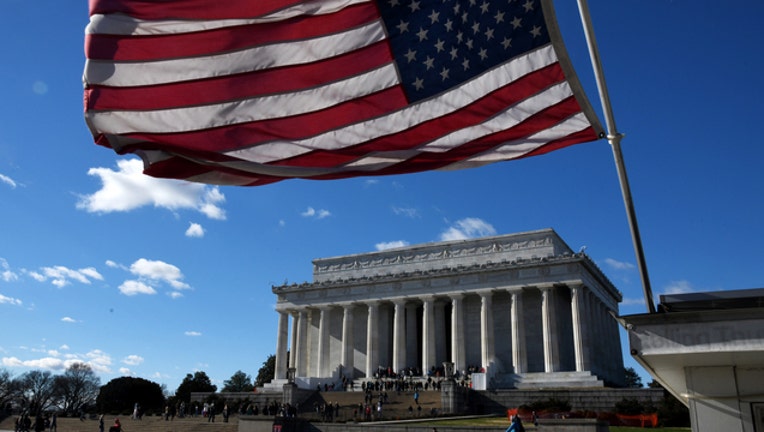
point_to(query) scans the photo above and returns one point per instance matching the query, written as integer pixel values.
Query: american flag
(249, 92)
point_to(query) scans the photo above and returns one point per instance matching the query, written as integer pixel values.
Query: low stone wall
(598, 400)
(258, 424)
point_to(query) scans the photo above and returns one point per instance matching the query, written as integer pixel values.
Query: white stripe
(108, 73)
(515, 149)
(508, 119)
(404, 119)
(262, 108)
(118, 24)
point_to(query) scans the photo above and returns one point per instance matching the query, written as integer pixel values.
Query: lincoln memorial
(522, 309)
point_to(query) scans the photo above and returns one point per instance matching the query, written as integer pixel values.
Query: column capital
(485, 293)
(456, 296)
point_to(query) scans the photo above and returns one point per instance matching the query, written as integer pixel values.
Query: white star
(419, 83)
(516, 22)
(403, 27)
(444, 74)
(476, 27)
(484, 7)
(411, 55)
(536, 32)
(489, 34)
(393, 3)
(466, 64)
(439, 46)
(483, 54)
(499, 17)
(414, 6)
(528, 5)
(460, 37)
(422, 34)
(429, 63)
(434, 16)
(449, 25)
(469, 43)
(454, 53)
(506, 43)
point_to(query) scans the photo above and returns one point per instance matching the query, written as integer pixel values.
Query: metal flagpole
(614, 138)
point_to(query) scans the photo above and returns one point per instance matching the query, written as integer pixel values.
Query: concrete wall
(601, 400)
(253, 424)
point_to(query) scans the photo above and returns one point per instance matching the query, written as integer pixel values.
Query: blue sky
(157, 279)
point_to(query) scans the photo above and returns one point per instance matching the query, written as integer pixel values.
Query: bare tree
(77, 388)
(7, 389)
(36, 390)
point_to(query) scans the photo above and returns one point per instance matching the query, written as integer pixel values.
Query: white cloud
(7, 180)
(128, 189)
(391, 245)
(632, 301)
(134, 287)
(406, 211)
(125, 371)
(112, 264)
(97, 360)
(195, 230)
(468, 228)
(618, 265)
(159, 271)
(9, 300)
(61, 276)
(7, 274)
(679, 287)
(132, 360)
(175, 295)
(192, 333)
(318, 214)
(67, 319)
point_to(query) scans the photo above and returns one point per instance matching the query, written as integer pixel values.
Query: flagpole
(614, 138)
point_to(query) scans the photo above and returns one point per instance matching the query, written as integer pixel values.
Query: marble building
(524, 308)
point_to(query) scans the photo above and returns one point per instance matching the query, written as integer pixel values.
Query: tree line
(78, 391)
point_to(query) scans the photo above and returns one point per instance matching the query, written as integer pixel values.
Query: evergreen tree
(239, 382)
(267, 372)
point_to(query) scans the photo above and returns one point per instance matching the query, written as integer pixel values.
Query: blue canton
(439, 44)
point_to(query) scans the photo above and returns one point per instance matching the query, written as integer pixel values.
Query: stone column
(579, 327)
(299, 352)
(322, 365)
(293, 340)
(457, 332)
(428, 334)
(372, 340)
(549, 324)
(348, 345)
(282, 337)
(519, 353)
(411, 336)
(487, 352)
(399, 336)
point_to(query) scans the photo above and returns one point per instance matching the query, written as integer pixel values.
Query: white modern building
(707, 349)
(522, 308)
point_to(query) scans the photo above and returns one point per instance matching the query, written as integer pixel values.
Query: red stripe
(425, 161)
(237, 87)
(245, 135)
(155, 47)
(470, 115)
(588, 134)
(228, 138)
(189, 9)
